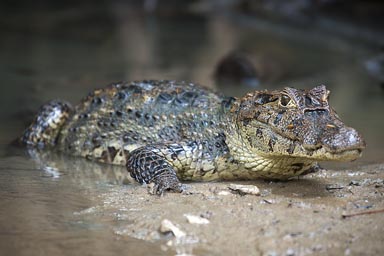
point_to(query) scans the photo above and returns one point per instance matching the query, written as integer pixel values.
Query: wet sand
(314, 215)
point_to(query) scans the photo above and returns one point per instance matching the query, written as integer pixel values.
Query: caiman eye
(284, 100)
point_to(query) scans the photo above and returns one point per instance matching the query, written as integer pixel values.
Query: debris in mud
(167, 226)
(245, 189)
(355, 183)
(193, 219)
(367, 182)
(347, 215)
(180, 237)
(223, 193)
(206, 215)
(362, 204)
(330, 187)
(269, 201)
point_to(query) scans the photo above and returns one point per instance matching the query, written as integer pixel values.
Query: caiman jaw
(323, 154)
(345, 145)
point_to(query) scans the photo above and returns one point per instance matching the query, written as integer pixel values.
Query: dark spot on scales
(164, 98)
(291, 148)
(186, 98)
(181, 102)
(97, 100)
(138, 114)
(121, 95)
(118, 113)
(271, 142)
(96, 140)
(81, 116)
(135, 89)
(188, 95)
(130, 137)
(112, 152)
(278, 117)
(259, 133)
(246, 121)
(227, 103)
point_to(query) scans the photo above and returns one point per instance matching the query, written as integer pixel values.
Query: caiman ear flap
(264, 98)
(250, 103)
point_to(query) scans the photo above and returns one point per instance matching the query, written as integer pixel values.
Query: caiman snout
(345, 139)
(329, 135)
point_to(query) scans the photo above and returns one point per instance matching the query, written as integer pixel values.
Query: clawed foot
(164, 183)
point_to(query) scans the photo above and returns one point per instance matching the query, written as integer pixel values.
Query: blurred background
(64, 49)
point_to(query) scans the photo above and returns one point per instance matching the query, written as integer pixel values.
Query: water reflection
(38, 209)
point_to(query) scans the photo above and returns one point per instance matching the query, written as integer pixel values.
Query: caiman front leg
(156, 164)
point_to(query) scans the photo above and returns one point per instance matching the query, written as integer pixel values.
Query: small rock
(354, 183)
(269, 201)
(245, 189)
(223, 193)
(331, 187)
(168, 226)
(206, 215)
(290, 252)
(193, 219)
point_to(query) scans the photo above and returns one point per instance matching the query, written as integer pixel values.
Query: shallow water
(65, 53)
(41, 211)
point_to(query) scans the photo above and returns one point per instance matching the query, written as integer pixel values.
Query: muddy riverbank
(314, 215)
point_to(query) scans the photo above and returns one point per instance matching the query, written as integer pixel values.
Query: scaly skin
(166, 130)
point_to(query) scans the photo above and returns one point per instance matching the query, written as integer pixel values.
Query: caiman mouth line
(341, 155)
(312, 148)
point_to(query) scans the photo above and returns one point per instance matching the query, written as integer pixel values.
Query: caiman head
(295, 123)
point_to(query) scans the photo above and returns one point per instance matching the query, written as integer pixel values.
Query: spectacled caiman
(163, 131)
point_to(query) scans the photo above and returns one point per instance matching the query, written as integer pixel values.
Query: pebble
(245, 189)
(168, 226)
(193, 219)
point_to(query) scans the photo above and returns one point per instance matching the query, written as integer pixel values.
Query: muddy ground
(327, 213)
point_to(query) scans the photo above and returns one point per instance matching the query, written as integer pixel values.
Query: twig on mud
(362, 213)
